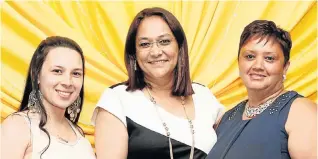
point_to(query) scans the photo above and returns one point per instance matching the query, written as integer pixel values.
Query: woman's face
(261, 64)
(156, 48)
(61, 77)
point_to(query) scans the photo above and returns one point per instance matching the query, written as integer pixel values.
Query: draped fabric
(212, 28)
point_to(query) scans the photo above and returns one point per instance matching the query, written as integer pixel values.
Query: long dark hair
(35, 67)
(182, 85)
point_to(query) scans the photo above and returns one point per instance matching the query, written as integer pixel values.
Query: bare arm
(218, 120)
(111, 138)
(301, 127)
(15, 137)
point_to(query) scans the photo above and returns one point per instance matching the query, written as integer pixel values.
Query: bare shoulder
(16, 129)
(301, 126)
(15, 136)
(303, 107)
(15, 124)
(302, 110)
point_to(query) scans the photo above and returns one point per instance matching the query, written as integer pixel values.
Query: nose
(155, 51)
(66, 80)
(258, 64)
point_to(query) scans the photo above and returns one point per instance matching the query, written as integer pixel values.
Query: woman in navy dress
(272, 123)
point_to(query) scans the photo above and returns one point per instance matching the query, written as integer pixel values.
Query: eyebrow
(160, 36)
(267, 52)
(76, 69)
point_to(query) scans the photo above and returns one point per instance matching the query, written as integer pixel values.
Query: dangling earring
(135, 65)
(284, 77)
(74, 109)
(33, 103)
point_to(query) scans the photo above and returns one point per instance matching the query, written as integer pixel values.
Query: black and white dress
(147, 136)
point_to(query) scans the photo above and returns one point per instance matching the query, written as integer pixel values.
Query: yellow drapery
(213, 29)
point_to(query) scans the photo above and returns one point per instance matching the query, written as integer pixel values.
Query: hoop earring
(33, 103)
(74, 109)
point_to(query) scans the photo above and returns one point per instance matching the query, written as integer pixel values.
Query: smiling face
(61, 77)
(156, 48)
(261, 64)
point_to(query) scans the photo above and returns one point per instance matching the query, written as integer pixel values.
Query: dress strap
(78, 134)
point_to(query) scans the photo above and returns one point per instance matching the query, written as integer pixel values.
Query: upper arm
(218, 108)
(15, 137)
(218, 120)
(111, 137)
(301, 127)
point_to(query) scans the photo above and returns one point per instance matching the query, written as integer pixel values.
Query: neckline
(69, 143)
(243, 106)
(161, 109)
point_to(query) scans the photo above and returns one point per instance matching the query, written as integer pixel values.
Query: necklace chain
(62, 139)
(152, 99)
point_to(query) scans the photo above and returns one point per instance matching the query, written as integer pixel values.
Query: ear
(286, 68)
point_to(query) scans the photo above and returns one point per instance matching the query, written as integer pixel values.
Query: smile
(64, 94)
(159, 61)
(257, 76)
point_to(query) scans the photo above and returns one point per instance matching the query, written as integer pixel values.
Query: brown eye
(164, 42)
(145, 45)
(77, 74)
(249, 57)
(270, 58)
(57, 71)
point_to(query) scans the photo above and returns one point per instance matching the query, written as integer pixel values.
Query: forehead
(262, 44)
(152, 27)
(65, 57)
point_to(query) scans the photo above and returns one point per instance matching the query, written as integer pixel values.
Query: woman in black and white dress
(158, 112)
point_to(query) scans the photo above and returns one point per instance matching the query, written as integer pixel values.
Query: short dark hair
(266, 29)
(182, 85)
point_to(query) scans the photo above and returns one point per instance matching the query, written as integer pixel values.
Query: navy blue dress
(263, 137)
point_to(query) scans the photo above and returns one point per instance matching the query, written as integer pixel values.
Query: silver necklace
(62, 139)
(152, 99)
(252, 112)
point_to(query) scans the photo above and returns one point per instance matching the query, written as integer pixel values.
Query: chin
(62, 105)
(159, 74)
(255, 85)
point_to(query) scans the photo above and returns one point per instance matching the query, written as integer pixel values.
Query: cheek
(275, 69)
(172, 55)
(48, 81)
(242, 67)
(78, 83)
(141, 57)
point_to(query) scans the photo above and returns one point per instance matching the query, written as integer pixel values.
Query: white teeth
(161, 61)
(64, 94)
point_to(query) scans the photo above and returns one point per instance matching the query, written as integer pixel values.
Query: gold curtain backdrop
(213, 30)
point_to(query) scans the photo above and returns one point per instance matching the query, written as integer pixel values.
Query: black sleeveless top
(263, 137)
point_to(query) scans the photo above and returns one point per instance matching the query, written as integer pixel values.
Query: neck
(160, 86)
(55, 115)
(257, 97)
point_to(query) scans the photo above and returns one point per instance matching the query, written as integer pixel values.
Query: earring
(33, 103)
(284, 77)
(74, 109)
(135, 65)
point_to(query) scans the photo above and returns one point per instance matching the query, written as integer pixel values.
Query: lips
(64, 94)
(257, 76)
(158, 61)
